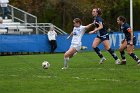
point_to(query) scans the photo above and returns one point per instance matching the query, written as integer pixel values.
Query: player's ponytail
(99, 11)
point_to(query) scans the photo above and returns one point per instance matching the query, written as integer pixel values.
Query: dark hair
(99, 11)
(77, 20)
(122, 18)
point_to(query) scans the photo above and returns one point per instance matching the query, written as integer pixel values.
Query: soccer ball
(45, 64)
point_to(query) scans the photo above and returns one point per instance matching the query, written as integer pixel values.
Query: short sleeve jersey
(98, 20)
(124, 28)
(78, 32)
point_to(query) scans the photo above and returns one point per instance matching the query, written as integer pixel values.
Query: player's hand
(68, 37)
(97, 23)
(91, 32)
(122, 41)
(131, 43)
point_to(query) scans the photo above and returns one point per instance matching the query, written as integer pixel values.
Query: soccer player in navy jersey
(102, 36)
(128, 42)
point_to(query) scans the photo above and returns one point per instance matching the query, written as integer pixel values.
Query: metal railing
(30, 21)
(22, 16)
(43, 28)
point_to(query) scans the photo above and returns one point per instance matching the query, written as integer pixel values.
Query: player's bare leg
(68, 55)
(96, 42)
(123, 46)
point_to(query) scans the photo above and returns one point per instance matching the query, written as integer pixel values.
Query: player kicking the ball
(77, 33)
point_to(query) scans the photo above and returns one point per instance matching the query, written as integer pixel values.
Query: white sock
(123, 59)
(66, 62)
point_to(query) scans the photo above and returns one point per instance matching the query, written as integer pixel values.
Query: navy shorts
(134, 41)
(105, 37)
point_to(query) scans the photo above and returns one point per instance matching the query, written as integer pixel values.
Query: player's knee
(129, 53)
(93, 46)
(66, 55)
(107, 48)
(120, 49)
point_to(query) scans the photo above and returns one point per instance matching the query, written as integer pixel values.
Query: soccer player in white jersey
(77, 33)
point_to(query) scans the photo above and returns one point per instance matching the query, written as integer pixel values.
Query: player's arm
(131, 32)
(97, 29)
(89, 26)
(71, 34)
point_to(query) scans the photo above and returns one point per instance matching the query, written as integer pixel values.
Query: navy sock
(134, 56)
(122, 54)
(113, 54)
(97, 50)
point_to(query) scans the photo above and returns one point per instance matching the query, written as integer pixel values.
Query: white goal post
(131, 14)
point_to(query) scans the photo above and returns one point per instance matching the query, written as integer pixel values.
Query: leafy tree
(62, 12)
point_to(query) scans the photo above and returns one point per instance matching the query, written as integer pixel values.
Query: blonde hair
(77, 20)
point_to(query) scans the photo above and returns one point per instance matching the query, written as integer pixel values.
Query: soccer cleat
(123, 62)
(102, 60)
(83, 47)
(138, 62)
(65, 68)
(74, 53)
(118, 62)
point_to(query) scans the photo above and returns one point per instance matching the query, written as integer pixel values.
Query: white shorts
(76, 46)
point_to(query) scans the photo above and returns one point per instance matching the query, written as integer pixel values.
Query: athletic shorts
(105, 37)
(134, 41)
(76, 46)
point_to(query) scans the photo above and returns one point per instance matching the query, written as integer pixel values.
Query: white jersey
(3, 26)
(52, 35)
(3, 3)
(78, 32)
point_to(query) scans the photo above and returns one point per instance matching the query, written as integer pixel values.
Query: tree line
(62, 12)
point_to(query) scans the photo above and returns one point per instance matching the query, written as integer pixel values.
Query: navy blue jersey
(124, 28)
(99, 20)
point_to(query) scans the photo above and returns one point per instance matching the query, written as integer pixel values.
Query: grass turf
(24, 74)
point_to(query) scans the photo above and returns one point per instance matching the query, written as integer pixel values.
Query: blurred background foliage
(62, 12)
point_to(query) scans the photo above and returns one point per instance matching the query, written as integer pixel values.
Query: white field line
(104, 79)
(45, 76)
(8, 75)
(79, 78)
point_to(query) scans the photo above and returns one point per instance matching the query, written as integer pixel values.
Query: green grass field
(24, 74)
